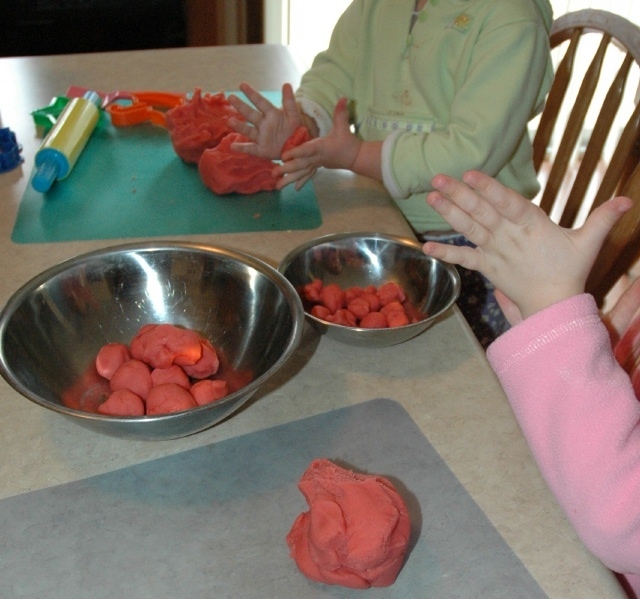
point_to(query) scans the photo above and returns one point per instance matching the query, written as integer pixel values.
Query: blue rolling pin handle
(52, 165)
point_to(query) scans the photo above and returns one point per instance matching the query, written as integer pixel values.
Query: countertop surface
(440, 378)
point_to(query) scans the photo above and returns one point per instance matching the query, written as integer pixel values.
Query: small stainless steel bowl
(52, 328)
(365, 258)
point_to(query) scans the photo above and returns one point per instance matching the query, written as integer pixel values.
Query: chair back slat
(621, 249)
(575, 178)
(558, 90)
(574, 126)
(623, 160)
(595, 148)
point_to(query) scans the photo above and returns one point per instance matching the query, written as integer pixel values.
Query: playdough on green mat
(129, 183)
(200, 133)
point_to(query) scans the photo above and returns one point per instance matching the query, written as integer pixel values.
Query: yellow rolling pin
(66, 140)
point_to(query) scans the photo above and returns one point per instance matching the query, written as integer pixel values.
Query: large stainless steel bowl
(366, 258)
(52, 328)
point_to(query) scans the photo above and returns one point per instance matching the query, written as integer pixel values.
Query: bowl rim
(407, 241)
(294, 301)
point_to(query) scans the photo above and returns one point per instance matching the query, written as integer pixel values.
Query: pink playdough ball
(207, 365)
(209, 390)
(110, 357)
(374, 320)
(122, 403)
(168, 398)
(133, 375)
(173, 374)
(166, 344)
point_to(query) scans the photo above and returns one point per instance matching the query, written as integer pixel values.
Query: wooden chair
(621, 248)
(581, 172)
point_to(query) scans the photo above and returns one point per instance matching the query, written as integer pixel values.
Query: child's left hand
(338, 149)
(529, 258)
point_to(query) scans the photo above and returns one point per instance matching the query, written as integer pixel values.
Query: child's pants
(477, 301)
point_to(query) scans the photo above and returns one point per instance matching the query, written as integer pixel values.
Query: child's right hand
(338, 149)
(530, 259)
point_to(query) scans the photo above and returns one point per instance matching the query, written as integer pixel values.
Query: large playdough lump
(200, 134)
(225, 171)
(356, 531)
(199, 124)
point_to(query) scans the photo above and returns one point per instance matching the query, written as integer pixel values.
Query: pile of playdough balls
(368, 307)
(165, 369)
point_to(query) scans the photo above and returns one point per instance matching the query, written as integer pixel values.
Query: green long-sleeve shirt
(455, 93)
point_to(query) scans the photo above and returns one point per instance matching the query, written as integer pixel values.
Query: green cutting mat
(128, 182)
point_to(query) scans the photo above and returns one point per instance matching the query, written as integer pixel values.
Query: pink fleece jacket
(579, 413)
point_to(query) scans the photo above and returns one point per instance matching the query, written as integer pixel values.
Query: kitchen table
(440, 378)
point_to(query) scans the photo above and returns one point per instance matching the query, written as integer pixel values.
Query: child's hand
(533, 261)
(338, 149)
(267, 126)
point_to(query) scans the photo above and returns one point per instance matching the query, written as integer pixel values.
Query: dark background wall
(36, 27)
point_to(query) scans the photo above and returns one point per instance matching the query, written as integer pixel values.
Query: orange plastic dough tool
(146, 106)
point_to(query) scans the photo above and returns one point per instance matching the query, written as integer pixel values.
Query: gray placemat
(211, 522)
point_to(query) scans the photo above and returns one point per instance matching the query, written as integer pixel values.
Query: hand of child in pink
(267, 126)
(339, 149)
(533, 261)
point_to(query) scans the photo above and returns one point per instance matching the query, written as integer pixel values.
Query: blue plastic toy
(10, 150)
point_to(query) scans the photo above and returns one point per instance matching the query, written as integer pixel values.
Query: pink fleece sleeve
(580, 416)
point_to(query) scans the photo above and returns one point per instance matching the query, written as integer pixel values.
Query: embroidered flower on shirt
(461, 22)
